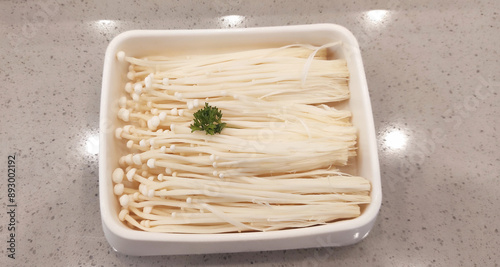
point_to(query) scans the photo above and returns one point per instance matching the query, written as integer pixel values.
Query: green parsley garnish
(208, 119)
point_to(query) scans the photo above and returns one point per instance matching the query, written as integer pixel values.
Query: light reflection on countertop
(377, 17)
(394, 139)
(374, 22)
(92, 144)
(231, 21)
(106, 26)
(105, 23)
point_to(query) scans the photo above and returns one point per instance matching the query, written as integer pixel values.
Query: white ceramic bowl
(146, 42)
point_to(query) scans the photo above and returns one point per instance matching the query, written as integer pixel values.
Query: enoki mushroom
(275, 164)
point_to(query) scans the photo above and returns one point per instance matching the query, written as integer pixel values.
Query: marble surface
(433, 73)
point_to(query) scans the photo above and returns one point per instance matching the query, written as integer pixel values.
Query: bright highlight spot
(105, 22)
(92, 144)
(395, 139)
(376, 19)
(231, 20)
(377, 16)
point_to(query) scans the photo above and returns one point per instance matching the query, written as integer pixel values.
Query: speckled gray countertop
(433, 73)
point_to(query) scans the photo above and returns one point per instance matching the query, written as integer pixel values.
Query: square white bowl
(146, 42)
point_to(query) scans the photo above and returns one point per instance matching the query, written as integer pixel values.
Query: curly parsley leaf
(208, 119)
